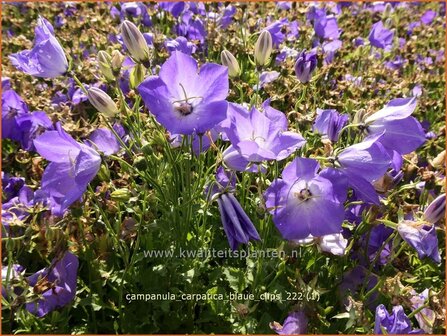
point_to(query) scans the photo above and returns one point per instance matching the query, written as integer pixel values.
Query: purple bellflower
(363, 163)
(61, 277)
(380, 37)
(237, 225)
(421, 237)
(305, 202)
(13, 107)
(305, 65)
(330, 123)
(395, 323)
(325, 26)
(180, 44)
(426, 317)
(47, 58)
(32, 125)
(282, 29)
(183, 100)
(103, 140)
(258, 136)
(72, 166)
(401, 132)
(175, 8)
(294, 324)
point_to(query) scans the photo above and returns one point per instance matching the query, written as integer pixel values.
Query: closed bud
(105, 65)
(436, 210)
(387, 11)
(137, 75)
(263, 48)
(104, 173)
(102, 102)
(121, 195)
(117, 61)
(305, 65)
(134, 42)
(231, 63)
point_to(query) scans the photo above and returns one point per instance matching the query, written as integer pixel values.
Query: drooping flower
(56, 284)
(294, 324)
(183, 100)
(305, 202)
(401, 132)
(330, 123)
(305, 65)
(395, 323)
(47, 58)
(421, 237)
(258, 136)
(381, 37)
(72, 166)
(237, 225)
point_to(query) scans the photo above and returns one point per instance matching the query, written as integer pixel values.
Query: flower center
(303, 195)
(184, 108)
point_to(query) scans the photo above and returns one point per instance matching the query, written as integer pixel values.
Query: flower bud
(105, 65)
(436, 210)
(137, 75)
(135, 42)
(121, 195)
(387, 11)
(102, 102)
(117, 61)
(231, 63)
(304, 66)
(263, 47)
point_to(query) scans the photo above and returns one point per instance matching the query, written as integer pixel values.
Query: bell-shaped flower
(330, 123)
(401, 132)
(395, 323)
(294, 324)
(421, 237)
(237, 225)
(363, 163)
(72, 166)
(56, 285)
(47, 58)
(380, 36)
